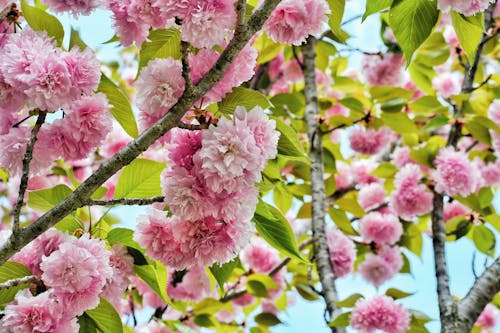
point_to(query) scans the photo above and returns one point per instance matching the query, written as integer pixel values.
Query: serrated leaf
(288, 143)
(46, 199)
(242, 97)
(106, 318)
(121, 108)
(222, 273)
(162, 43)
(40, 20)
(412, 22)
(140, 179)
(259, 285)
(375, 6)
(340, 219)
(469, 31)
(399, 122)
(123, 236)
(11, 271)
(155, 277)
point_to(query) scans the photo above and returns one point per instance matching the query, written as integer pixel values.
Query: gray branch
(321, 251)
(18, 282)
(79, 197)
(125, 201)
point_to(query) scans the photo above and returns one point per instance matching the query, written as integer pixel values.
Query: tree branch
(321, 251)
(124, 201)
(147, 138)
(18, 282)
(28, 156)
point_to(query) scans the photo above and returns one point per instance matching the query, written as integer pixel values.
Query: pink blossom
(380, 228)
(40, 314)
(148, 12)
(383, 70)
(342, 252)
(75, 7)
(32, 254)
(84, 69)
(490, 173)
(259, 256)
(115, 141)
(371, 196)
(160, 85)
(466, 7)
(401, 156)
(361, 172)
(379, 313)
(410, 198)
(343, 177)
(127, 27)
(454, 209)
(77, 273)
(450, 36)
(123, 266)
(182, 146)
(454, 173)
(170, 9)
(381, 267)
(153, 327)
(447, 84)
(369, 141)
(488, 318)
(11, 99)
(195, 285)
(208, 22)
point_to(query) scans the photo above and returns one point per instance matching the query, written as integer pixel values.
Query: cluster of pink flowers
(411, 197)
(380, 313)
(454, 209)
(35, 72)
(76, 7)
(380, 228)
(448, 84)
(194, 286)
(382, 266)
(383, 70)
(210, 188)
(371, 196)
(292, 21)
(369, 141)
(466, 7)
(342, 252)
(487, 320)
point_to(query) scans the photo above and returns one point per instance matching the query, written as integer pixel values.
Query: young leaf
(242, 97)
(155, 277)
(469, 31)
(140, 179)
(10, 271)
(105, 317)
(39, 20)
(222, 273)
(162, 43)
(375, 6)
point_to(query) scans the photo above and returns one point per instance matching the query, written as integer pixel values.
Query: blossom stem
(125, 201)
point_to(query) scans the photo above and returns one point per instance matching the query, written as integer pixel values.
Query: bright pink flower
(84, 69)
(129, 28)
(11, 99)
(170, 9)
(466, 7)
(371, 196)
(376, 269)
(454, 173)
(342, 252)
(380, 228)
(195, 285)
(401, 156)
(488, 318)
(77, 273)
(361, 172)
(394, 258)
(123, 266)
(208, 22)
(369, 141)
(160, 85)
(259, 256)
(40, 314)
(383, 70)
(380, 313)
(454, 209)
(32, 254)
(447, 84)
(75, 7)
(148, 12)
(490, 173)
(182, 146)
(411, 197)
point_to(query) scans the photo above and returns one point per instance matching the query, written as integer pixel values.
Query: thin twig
(186, 71)
(18, 282)
(28, 156)
(125, 201)
(192, 127)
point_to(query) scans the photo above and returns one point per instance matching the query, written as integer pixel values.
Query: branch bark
(321, 251)
(18, 282)
(125, 201)
(78, 198)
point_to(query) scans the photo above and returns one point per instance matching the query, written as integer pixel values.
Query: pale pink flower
(317, 11)
(454, 209)
(383, 70)
(342, 252)
(208, 22)
(195, 285)
(170, 9)
(466, 7)
(450, 36)
(490, 173)
(147, 11)
(259, 256)
(369, 141)
(361, 172)
(454, 173)
(153, 327)
(11, 99)
(75, 7)
(411, 197)
(380, 313)
(77, 273)
(7, 120)
(123, 266)
(392, 255)
(115, 141)
(447, 84)
(130, 29)
(160, 85)
(371, 196)
(380, 228)
(488, 318)
(376, 270)
(401, 156)
(343, 177)
(40, 314)
(84, 69)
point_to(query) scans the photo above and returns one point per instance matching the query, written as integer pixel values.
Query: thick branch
(28, 156)
(147, 138)
(124, 201)
(18, 282)
(321, 252)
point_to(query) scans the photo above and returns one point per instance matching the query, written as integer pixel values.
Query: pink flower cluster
(466, 7)
(381, 267)
(383, 70)
(411, 197)
(76, 7)
(342, 252)
(448, 84)
(380, 228)
(369, 141)
(380, 313)
(292, 21)
(194, 286)
(488, 318)
(209, 187)
(371, 196)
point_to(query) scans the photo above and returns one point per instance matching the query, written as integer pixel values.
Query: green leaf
(275, 229)
(457, 227)
(397, 294)
(340, 218)
(205, 320)
(337, 12)
(412, 22)
(324, 52)
(478, 131)
(140, 179)
(412, 238)
(484, 239)
(268, 49)
(385, 170)
(306, 292)
(106, 318)
(469, 31)
(121, 110)
(349, 302)
(399, 122)
(39, 20)
(259, 284)
(288, 143)
(155, 277)
(163, 43)
(242, 97)
(208, 306)
(76, 40)
(394, 105)
(223, 273)
(123, 236)
(44, 200)
(267, 319)
(87, 324)
(485, 197)
(375, 6)
(342, 320)
(11, 271)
